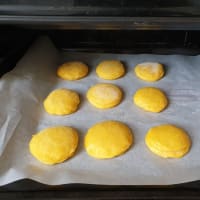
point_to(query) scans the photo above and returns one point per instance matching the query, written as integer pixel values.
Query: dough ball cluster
(72, 70)
(110, 69)
(150, 99)
(61, 102)
(108, 139)
(54, 145)
(168, 141)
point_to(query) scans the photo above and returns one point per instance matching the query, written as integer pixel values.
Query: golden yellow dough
(108, 139)
(150, 99)
(104, 95)
(168, 141)
(110, 69)
(72, 70)
(61, 102)
(149, 71)
(54, 145)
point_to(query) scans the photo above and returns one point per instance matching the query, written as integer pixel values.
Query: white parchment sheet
(23, 90)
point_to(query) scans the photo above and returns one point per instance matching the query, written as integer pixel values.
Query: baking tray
(33, 190)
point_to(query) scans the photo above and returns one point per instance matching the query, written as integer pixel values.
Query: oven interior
(122, 26)
(14, 42)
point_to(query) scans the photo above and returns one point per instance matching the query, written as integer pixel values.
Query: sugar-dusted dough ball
(149, 71)
(72, 70)
(108, 139)
(54, 145)
(104, 95)
(61, 102)
(168, 141)
(150, 99)
(110, 69)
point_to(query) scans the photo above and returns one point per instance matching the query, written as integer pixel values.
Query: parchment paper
(23, 90)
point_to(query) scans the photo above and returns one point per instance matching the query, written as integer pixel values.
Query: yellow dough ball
(61, 102)
(168, 141)
(54, 145)
(150, 99)
(72, 70)
(149, 71)
(110, 69)
(104, 95)
(108, 139)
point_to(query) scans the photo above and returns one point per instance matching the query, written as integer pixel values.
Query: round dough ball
(168, 141)
(104, 95)
(150, 99)
(61, 102)
(54, 145)
(110, 69)
(108, 139)
(149, 71)
(72, 70)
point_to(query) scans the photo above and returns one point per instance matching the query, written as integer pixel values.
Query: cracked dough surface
(104, 95)
(149, 71)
